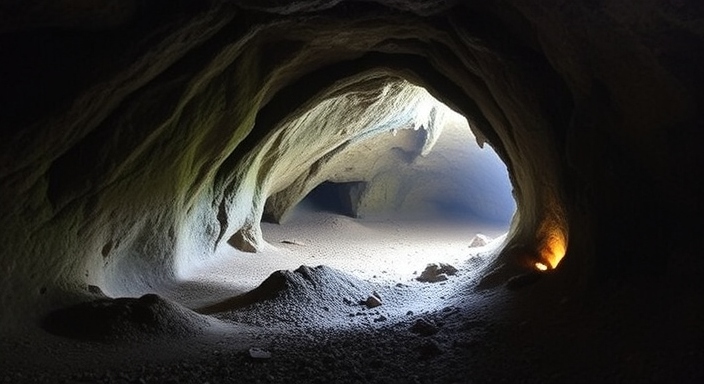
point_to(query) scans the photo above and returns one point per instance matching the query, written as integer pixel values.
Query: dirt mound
(125, 319)
(320, 295)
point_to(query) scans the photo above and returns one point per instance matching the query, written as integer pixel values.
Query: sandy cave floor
(317, 330)
(382, 251)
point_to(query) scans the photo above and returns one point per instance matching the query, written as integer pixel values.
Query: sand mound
(125, 319)
(320, 295)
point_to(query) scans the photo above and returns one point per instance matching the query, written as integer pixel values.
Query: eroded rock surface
(138, 141)
(434, 273)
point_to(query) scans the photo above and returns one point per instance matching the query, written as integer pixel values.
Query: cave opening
(411, 207)
(414, 212)
(384, 248)
(135, 183)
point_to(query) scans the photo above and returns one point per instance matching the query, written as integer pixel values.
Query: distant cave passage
(457, 180)
(332, 197)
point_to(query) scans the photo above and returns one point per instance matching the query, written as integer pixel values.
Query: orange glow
(541, 266)
(554, 249)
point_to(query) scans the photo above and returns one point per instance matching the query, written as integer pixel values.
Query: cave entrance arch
(394, 207)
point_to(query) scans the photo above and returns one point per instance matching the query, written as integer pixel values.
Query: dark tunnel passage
(155, 157)
(334, 197)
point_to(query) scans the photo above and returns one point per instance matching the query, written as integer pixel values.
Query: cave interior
(351, 191)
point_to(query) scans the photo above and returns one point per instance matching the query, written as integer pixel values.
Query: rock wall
(321, 143)
(130, 129)
(428, 168)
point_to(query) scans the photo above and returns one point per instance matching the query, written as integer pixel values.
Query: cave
(333, 197)
(145, 142)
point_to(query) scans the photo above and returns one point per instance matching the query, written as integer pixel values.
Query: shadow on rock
(124, 319)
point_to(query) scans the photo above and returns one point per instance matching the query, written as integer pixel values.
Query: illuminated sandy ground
(384, 252)
(316, 329)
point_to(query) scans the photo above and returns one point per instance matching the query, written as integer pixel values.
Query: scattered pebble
(94, 289)
(259, 353)
(292, 242)
(480, 240)
(372, 301)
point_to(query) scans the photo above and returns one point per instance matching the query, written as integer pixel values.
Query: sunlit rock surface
(137, 138)
(405, 154)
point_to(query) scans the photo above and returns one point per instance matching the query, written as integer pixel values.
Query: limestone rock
(259, 353)
(372, 301)
(479, 240)
(434, 273)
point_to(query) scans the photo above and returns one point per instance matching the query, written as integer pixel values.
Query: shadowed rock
(434, 273)
(124, 319)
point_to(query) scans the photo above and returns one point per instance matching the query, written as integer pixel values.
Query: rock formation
(138, 137)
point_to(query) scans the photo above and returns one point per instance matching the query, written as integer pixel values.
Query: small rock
(380, 319)
(292, 242)
(409, 313)
(438, 278)
(259, 353)
(372, 302)
(424, 327)
(480, 240)
(94, 289)
(434, 273)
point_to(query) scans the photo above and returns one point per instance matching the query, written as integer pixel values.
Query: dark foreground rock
(124, 318)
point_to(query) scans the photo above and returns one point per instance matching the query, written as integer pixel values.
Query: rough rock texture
(138, 137)
(405, 154)
(330, 143)
(480, 240)
(318, 297)
(434, 273)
